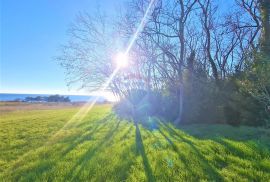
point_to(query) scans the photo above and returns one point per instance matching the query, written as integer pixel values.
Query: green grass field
(39, 145)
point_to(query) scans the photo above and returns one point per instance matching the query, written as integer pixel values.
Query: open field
(22, 106)
(44, 145)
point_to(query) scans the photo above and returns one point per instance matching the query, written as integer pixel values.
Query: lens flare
(141, 26)
(77, 118)
(122, 61)
(89, 105)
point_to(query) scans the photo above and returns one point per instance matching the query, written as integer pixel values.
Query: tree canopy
(190, 58)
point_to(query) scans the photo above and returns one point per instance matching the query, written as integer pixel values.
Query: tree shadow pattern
(112, 128)
(208, 169)
(141, 150)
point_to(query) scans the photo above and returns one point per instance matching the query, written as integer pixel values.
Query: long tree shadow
(205, 165)
(175, 148)
(122, 169)
(141, 150)
(214, 131)
(98, 125)
(87, 125)
(80, 164)
(244, 154)
(253, 140)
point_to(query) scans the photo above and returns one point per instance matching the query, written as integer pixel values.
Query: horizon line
(50, 93)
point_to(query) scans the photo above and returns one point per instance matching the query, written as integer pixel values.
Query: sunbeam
(90, 104)
(85, 108)
(140, 27)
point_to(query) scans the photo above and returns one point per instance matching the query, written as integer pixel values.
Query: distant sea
(73, 98)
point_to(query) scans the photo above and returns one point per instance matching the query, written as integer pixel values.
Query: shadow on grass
(123, 169)
(141, 150)
(90, 153)
(251, 140)
(175, 148)
(215, 131)
(97, 126)
(61, 151)
(208, 169)
(112, 127)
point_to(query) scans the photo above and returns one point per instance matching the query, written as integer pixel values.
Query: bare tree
(178, 37)
(166, 28)
(89, 55)
(245, 25)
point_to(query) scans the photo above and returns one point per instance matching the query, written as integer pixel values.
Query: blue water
(73, 98)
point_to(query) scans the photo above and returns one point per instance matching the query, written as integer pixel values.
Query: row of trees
(194, 59)
(51, 98)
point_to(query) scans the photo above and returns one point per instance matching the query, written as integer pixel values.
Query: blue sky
(31, 34)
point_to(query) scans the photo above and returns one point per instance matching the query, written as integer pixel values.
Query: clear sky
(31, 34)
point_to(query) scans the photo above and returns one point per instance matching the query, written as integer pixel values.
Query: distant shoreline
(7, 97)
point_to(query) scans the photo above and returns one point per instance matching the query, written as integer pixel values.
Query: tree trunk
(180, 63)
(265, 14)
(180, 105)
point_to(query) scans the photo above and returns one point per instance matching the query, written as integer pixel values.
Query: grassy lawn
(44, 145)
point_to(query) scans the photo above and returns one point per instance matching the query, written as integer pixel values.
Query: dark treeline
(51, 98)
(193, 61)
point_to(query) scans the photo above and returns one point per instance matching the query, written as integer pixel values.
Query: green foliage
(102, 147)
(202, 100)
(257, 79)
(255, 86)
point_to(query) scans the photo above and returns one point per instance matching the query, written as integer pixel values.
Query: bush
(241, 98)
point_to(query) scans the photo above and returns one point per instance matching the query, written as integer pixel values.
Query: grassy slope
(33, 147)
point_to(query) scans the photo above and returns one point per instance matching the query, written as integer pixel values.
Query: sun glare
(122, 60)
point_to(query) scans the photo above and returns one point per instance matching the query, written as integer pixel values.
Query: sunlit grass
(103, 147)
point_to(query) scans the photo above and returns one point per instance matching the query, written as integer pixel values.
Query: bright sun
(122, 60)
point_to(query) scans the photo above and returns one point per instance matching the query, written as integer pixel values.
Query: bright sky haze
(31, 34)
